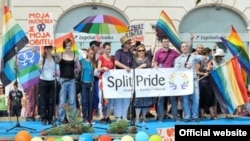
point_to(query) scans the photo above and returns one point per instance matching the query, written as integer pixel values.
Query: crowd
(80, 84)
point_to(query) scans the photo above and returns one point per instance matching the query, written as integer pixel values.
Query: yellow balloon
(36, 139)
(67, 138)
(155, 138)
(127, 138)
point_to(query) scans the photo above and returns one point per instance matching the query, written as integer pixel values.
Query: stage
(151, 124)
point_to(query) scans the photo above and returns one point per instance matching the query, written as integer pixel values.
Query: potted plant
(121, 127)
(75, 125)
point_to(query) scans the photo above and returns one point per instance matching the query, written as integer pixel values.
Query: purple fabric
(31, 95)
(160, 57)
(124, 57)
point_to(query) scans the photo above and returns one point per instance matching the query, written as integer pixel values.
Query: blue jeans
(67, 96)
(96, 94)
(191, 110)
(173, 101)
(87, 101)
(160, 108)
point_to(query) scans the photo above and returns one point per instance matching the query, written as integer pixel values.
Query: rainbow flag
(13, 40)
(28, 67)
(237, 48)
(165, 27)
(228, 86)
(59, 43)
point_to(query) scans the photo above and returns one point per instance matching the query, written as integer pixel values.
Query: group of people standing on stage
(98, 60)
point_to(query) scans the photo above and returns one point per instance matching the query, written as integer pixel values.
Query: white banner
(148, 82)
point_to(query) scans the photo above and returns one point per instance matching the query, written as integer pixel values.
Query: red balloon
(105, 138)
(23, 136)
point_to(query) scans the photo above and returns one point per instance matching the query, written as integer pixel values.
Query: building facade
(208, 20)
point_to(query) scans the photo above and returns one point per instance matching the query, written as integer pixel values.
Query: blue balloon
(116, 140)
(141, 136)
(86, 137)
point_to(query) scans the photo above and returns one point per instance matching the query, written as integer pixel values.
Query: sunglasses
(140, 50)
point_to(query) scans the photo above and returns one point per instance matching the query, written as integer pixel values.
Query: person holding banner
(68, 64)
(105, 63)
(189, 61)
(164, 58)
(123, 60)
(143, 59)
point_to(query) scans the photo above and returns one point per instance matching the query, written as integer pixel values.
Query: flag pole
(16, 112)
(15, 67)
(55, 86)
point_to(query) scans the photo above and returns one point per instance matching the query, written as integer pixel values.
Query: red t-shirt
(106, 63)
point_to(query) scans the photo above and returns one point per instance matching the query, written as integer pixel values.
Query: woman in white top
(47, 86)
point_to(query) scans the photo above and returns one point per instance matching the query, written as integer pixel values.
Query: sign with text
(83, 39)
(210, 132)
(210, 37)
(149, 82)
(40, 31)
(136, 32)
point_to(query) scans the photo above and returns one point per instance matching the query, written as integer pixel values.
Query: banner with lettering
(40, 31)
(136, 32)
(148, 82)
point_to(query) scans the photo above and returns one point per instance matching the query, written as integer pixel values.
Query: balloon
(50, 139)
(67, 138)
(155, 138)
(86, 137)
(59, 139)
(141, 136)
(127, 138)
(116, 140)
(104, 138)
(36, 139)
(23, 136)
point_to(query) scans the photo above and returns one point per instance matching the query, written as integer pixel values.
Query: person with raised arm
(68, 65)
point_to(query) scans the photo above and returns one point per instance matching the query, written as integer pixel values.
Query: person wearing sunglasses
(46, 86)
(142, 60)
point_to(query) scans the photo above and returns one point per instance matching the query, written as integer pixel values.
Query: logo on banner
(181, 76)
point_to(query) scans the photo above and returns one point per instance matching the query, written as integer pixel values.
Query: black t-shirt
(15, 97)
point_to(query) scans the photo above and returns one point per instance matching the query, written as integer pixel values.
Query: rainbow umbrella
(101, 24)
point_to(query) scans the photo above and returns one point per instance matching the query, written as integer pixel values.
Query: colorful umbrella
(101, 24)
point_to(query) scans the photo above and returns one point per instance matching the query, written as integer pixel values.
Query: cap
(219, 52)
